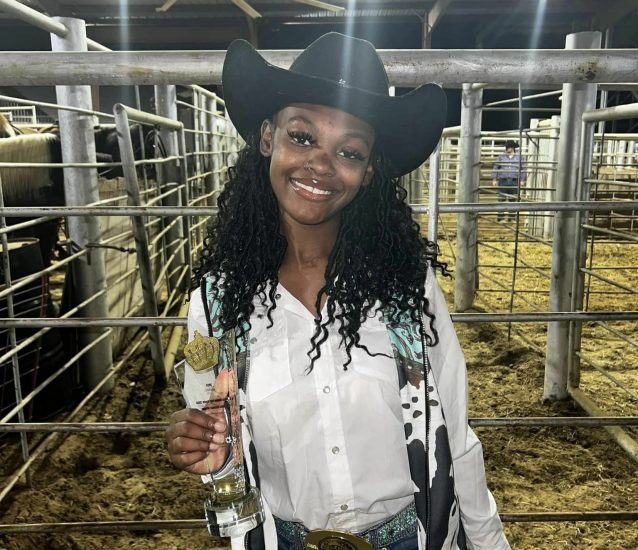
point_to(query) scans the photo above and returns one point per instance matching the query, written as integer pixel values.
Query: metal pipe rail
(492, 207)
(44, 22)
(508, 290)
(149, 427)
(16, 165)
(625, 236)
(405, 68)
(609, 281)
(45, 445)
(588, 360)
(525, 109)
(26, 399)
(511, 255)
(173, 524)
(524, 98)
(56, 106)
(528, 317)
(619, 112)
(37, 19)
(620, 183)
(13, 351)
(147, 118)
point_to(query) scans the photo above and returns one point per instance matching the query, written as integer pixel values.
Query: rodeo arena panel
(103, 216)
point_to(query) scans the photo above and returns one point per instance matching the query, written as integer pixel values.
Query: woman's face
(320, 158)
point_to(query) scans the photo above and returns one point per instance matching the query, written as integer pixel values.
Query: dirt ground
(107, 477)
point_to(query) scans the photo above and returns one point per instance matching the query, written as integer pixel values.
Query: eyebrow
(351, 133)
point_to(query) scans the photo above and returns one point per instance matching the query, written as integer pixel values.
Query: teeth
(313, 190)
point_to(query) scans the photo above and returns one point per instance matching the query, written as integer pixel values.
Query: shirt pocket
(381, 365)
(269, 363)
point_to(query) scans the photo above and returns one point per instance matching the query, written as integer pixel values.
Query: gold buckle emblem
(202, 352)
(327, 539)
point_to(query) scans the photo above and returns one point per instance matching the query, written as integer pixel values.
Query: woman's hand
(196, 440)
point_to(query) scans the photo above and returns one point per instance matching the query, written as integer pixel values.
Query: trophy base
(235, 518)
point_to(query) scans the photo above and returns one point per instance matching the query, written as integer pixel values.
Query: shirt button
(344, 507)
(326, 389)
(277, 296)
(253, 340)
(335, 450)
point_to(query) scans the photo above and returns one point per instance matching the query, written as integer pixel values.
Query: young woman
(352, 382)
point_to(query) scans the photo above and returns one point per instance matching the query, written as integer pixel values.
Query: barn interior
(114, 147)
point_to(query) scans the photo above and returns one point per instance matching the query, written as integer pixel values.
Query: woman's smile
(312, 189)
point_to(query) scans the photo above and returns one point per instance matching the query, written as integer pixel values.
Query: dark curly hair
(379, 255)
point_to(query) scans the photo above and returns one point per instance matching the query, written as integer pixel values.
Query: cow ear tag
(202, 352)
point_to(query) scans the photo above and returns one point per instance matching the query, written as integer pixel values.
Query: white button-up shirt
(330, 443)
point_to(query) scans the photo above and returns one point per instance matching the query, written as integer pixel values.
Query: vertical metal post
(578, 277)
(166, 106)
(196, 136)
(81, 188)
(433, 194)
(141, 240)
(602, 103)
(209, 128)
(550, 193)
(206, 159)
(218, 145)
(577, 98)
(533, 219)
(13, 341)
(198, 160)
(468, 192)
(138, 106)
(187, 247)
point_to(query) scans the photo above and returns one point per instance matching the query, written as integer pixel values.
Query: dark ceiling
(212, 24)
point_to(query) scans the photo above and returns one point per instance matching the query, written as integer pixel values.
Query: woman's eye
(351, 155)
(301, 138)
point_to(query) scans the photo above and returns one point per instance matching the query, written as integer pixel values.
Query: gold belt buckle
(327, 539)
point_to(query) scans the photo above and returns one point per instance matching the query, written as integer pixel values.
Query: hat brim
(408, 127)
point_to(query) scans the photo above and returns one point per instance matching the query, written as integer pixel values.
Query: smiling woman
(351, 379)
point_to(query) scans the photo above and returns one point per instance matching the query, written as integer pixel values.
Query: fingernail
(220, 426)
(218, 438)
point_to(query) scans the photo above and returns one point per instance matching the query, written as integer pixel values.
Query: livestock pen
(97, 474)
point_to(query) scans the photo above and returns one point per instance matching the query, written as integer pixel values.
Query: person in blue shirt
(508, 175)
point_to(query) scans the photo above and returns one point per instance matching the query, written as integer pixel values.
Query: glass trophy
(209, 377)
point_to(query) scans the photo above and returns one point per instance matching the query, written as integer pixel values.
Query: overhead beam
(322, 5)
(166, 6)
(406, 68)
(430, 20)
(247, 9)
(437, 11)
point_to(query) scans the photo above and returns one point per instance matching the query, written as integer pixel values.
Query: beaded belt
(397, 528)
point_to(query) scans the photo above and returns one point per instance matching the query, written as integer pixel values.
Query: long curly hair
(379, 261)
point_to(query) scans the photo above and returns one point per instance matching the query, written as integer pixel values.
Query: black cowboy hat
(342, 72)
(511, 144)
